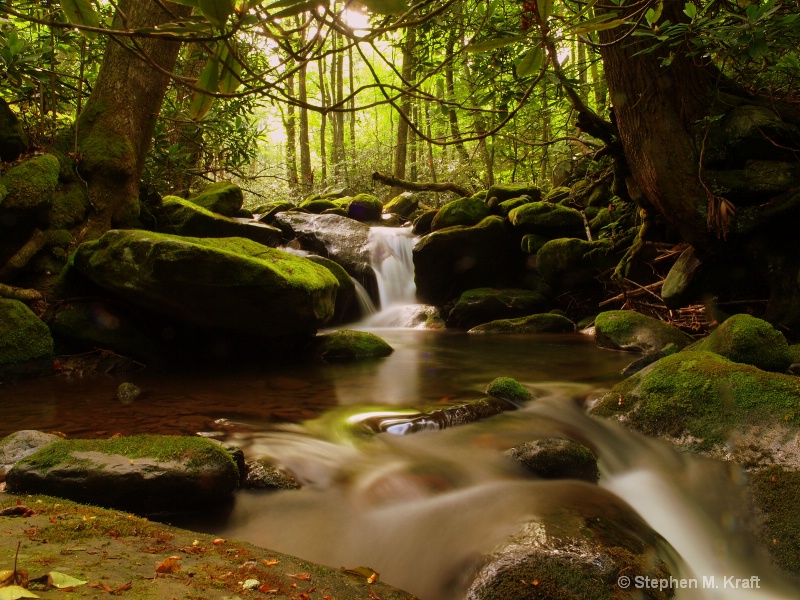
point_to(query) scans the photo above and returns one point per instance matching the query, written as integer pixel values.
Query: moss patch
(702, 395)
(464, 211)
(31, 184)
(350, 345)
(629, 330)
(776, 492)
(746, 339)
(541, 323)
(23, 336)
(508, 388)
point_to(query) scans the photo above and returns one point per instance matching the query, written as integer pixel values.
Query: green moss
(507, 191)
(364, 207)
(23, 336)
(629, 330)
(776, 491)
(316, 206)
(746, 339)
(547, 219)
(350, 345)
(31, 184)
(222, 197)
(532, 243)
(794, 352)
(103, 150)
(194, 451)
(69, 207)
(541, 323)
(403, 205)
(508, 388)
(464, 211)
(557, 194)
(573, 262)
(703, 395)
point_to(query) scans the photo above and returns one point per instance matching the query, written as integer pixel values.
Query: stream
(363, 501)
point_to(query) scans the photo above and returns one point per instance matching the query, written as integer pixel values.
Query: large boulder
(223, 197)
(567, 263)
(23, 335)
(488, 304)
(746, 339)
(365, 208)
(403, 204)
(145, 474)
(184, 217)
(452, 260)
(507, 191)
(635, 332)
(464, 211)
(704, 402)
(27, 189)
(547, 219)
(539, 323)
(229, 283)
(341, 239)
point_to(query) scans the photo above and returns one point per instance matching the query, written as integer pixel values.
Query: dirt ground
(120, 555)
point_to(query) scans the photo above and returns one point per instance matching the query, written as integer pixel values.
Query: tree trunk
(339, 163)
(401, 145)
(323, 122)
(290, 125)
(116, 126)
(306, 175)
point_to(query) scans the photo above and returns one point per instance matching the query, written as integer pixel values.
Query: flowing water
(420, 508)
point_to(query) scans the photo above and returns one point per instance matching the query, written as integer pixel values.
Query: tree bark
(401, 145)
(116, 127)
(420, 186)
(306, 175)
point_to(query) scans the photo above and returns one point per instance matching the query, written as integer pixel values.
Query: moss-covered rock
(145, 473)
(682, 281)
(557, 458)
(365, 208)
(422, 224)
(539, 323)
(549, 220)
(267, 211)
(261, 475)
(507, 191)
(568, 263)
(704, 400)
(746, 339)
(482, 305)
(350, 345)
(557, 194)
(18, 445)
(317, 205)
(30, 185)
(223, 197)
(230, 283)
(508, 388)
(183, 217)
(23, 335)
(403, 204)
(464, 211)
(347, 309)
(452, 260)
(635, 332)
(507, 206)
(775, 490)
(69, 207)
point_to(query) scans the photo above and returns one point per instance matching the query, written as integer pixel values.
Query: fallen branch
(21, 294)
(37, 241)
(420, 186)
(646, 289)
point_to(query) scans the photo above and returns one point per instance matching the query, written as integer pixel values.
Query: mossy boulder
(464, 211)
(708, 403)
(183, 217)
(507, 191)
(23, 335)
(318, 205)
(557, 194)
(557, 458)
(746, 339)
(13, 140)
(30, 186)
(508, 388)
(547, 219)
(449, 261)
(539, 323)
(582, 539)
(231, 284)
(144, 474)
(223, 197)
(568, 263)
(346, 345)
(403, 204)
(422, 224)
(365, 208)
(507, 206)
(482, 305)
(532, 243)
(634, 332)
(267, 211)
(69, 207)
(347, 309)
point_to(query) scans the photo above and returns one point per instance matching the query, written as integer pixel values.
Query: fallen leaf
(62, 580)
(6, 575)
(301, 576)
(372, 578)
(218, 541)
(265, 589)
(169, 565)
(270, 562)
(123, 587)
(17, 509)
(12, 592)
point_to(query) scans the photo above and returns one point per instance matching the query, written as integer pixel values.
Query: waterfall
(391, 259)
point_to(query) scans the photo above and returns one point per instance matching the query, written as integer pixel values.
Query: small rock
(128, 392)
(556, 458)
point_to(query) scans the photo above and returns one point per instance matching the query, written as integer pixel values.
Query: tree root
(37, 241)
(21, 294)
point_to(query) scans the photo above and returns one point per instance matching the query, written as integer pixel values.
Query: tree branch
(421, 186)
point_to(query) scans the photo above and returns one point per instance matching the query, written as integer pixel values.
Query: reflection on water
(420, 508)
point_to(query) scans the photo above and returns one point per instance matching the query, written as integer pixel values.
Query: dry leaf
(218, 541)
(169, 565)
(301, 576)
(270, 562)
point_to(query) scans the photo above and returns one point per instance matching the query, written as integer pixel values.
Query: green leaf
(194, 3)
(12, 592)
(231, 76)
(81, 12)
(62, 580)
(494, 43)
(545, 8)
(209, 78)
(654, 14)
(385, 7)
(216, 11)
(605, 21)
(296, 8)
(531, 62)
(690, 10)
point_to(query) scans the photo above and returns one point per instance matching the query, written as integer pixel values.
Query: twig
(646, 289)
